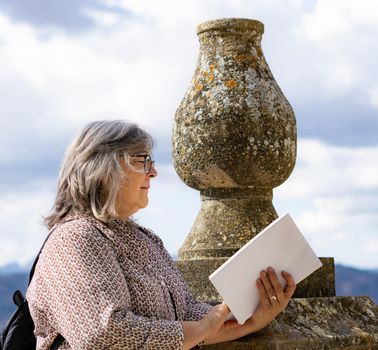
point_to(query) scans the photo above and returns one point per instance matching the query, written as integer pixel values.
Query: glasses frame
(148, 162)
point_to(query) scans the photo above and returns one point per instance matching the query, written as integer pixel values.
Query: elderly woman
(105, 282)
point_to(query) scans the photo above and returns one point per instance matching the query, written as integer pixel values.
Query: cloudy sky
(65, 63)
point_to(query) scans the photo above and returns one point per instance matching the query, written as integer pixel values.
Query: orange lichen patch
(242, 58)
(231, 84)
(212, 67)
(245, 58)
(198, 87)
(210, 78)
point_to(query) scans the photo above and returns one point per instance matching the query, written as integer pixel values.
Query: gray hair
(90, 174)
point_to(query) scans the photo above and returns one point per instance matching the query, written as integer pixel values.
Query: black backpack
(18, 332)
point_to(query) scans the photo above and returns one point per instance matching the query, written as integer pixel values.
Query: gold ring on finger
(273, 298)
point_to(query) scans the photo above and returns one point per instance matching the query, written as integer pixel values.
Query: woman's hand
(213, 323)
(273, 298)
(215, 320)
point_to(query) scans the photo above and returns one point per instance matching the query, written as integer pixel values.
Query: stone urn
(234, 140)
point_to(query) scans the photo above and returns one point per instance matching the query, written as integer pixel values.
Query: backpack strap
(57, 342)
(31, 274)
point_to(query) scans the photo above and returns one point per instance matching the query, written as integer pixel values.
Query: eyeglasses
(148, 163)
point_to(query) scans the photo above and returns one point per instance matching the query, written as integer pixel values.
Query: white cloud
(331, 20)
(21, 229)
(341, 36)
(139, 68)
(94, 75)
(52, 82)
(322, 169)
(372, 92)
(103, 18)
(371, 247)
(333, 195)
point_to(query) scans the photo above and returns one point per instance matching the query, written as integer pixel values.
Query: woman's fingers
(290, 287)
(274, 291)
(216, 318)
(221, 311)
(264, 299)
(270, 292)
(224, 309)
(278, 290)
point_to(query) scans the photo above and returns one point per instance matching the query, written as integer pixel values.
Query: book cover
(280, 245)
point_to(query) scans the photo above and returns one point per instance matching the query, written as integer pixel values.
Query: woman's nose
(152, 172)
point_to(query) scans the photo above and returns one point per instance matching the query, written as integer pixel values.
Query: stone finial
(234, 140)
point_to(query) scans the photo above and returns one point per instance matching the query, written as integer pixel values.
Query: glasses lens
(148, 162)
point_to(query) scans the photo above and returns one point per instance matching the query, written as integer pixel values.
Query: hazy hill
(352, 281)
(349, 281)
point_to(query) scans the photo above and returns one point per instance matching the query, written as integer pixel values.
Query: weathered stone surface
(228, 219)
(316, 323)
(319, 284)
(233, 114)
(234, 138)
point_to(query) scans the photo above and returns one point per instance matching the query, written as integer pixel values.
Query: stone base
(316, 323)
(320, 284)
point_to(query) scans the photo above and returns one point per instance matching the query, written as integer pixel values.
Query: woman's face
(133, 192)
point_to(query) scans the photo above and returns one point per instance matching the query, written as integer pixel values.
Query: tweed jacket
(110, 286)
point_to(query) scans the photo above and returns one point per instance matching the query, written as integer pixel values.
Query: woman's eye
(137, 162)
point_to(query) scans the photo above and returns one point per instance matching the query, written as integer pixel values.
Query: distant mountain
(352, 281)
(349, 281)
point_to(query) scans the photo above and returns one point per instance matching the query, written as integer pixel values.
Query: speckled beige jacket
(109, 287)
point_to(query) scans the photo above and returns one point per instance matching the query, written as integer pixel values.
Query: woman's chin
(144, 204)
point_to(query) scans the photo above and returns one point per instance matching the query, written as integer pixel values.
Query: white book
(280, 245)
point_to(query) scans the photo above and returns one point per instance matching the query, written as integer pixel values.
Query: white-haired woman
(103, 281)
